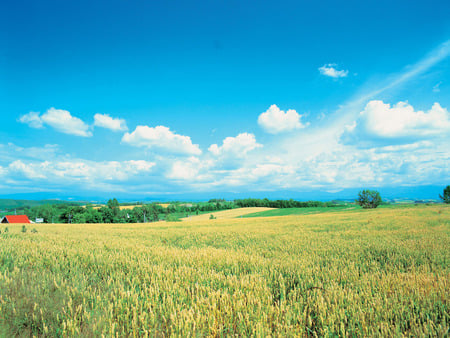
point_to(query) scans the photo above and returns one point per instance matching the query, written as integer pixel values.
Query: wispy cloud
(431, 59)
(436, 88)
(349, 110)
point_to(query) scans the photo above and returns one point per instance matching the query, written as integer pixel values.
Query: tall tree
(369, 199)
(446, 197)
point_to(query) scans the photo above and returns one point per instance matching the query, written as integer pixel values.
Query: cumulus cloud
(192, 169)
(59, 119)
(106, 121)
(401, 120)
(237, 146)
(185, 170)
(276, 121)
(32, 119)
(161, 138)
(331, 71)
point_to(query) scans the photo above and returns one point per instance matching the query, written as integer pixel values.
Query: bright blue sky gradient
(207, 70)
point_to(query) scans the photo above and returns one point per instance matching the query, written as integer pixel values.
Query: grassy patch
(300, 211)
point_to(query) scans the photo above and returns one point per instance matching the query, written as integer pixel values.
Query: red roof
(17, 219)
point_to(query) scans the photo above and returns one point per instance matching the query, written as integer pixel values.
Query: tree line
(257, 202)
(152, 212)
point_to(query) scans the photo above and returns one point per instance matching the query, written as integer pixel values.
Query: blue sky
(152, 98)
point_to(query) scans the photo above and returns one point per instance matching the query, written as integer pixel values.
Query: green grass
(301, 211)
(320, 210)
(381, 272)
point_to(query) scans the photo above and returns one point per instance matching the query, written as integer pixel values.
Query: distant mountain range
(394, 193)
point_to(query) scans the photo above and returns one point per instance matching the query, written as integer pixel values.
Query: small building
(15, 219)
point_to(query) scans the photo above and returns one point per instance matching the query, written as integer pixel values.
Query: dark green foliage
(212, 216)
(369, 199)
(24, 228)
(280, 204)
(34, 231)
(446, 197)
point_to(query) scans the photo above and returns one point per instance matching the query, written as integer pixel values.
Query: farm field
(121, 207)
(226, 214)
(382, 272)
(300, 211)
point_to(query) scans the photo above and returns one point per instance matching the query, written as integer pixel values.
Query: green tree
(369, 199)
(106, 214)
(79, 218)
(114, 206)
(446, 197)
(92, 215)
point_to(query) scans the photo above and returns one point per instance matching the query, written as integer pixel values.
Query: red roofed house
(15, 219)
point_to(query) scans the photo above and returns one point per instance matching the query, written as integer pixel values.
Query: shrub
(34, 230)
(211, 216)
(369, 199)
(172, 218)
(24, 228)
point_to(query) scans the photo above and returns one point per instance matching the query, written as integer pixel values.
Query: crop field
(226, 214)
(121, 207)
(299, 211)
(382, 272)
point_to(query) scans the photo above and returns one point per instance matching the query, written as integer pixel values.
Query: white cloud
(64, 122)
(161, 138)
(59, 119)
(331, 71)
(185, 170)
(69, 171)
(192, 169)
(10, 152)
(401, 120)
(275, 121)
(269, 169)
(237, 146)
(32, 119)
(106, 121)
(28, 171)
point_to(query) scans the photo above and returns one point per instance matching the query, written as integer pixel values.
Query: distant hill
(8, 204)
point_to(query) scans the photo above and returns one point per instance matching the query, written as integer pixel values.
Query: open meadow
(382, 272)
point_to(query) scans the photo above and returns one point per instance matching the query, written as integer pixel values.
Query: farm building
(15, 219)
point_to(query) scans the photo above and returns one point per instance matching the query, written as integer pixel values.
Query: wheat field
(225, 214)
(382, 272)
